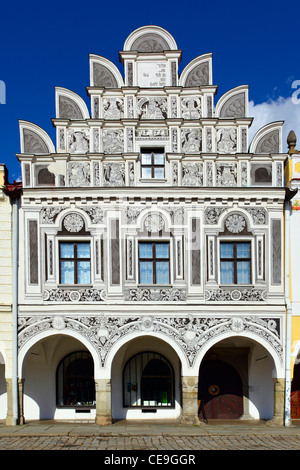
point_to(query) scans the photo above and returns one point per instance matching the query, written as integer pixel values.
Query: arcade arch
(39, 364)
(236, 380)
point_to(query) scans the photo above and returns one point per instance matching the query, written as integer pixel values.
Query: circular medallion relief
(235, 223)
(73, 223)
(154, 223)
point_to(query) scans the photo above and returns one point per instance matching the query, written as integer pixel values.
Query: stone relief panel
(242, 294)
(235, 223)
(198, 76)
(78, 174)
(103, 77)
(268, 143)
(152, 134)
(78, 140)
(191, 140)
(73, 223)
(190, 333)
(113, 141)
(226, 140)
(71, 295)
(234, 107)
(49, 214)
(33, 143)
(192, 174)
(212, 215)
(154, 223)
(114, 174)
(113, 108)
(96, 214)
(226, 174)
(152, 108)
(69, 109)
(191, 107)
(150, 42)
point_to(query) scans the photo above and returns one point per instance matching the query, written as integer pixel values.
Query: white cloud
(282, 109)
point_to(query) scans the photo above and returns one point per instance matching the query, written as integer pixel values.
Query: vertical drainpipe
(287, 405)
(15, 260)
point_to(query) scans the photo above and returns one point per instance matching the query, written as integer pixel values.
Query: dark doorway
(220, 391)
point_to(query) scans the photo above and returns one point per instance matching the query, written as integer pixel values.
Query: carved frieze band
(242, 294)
(189, 333)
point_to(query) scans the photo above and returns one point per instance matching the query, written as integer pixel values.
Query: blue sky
(47, 44)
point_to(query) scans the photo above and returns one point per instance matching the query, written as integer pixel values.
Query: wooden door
(220, 391)
(295, 393)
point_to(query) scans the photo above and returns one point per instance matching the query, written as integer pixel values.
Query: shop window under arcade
(148, 382)
(75, 384)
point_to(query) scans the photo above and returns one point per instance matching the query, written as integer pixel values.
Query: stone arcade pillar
(21, 400)
(190, 400)
(9, 416)
(279, 389)
(103, 402)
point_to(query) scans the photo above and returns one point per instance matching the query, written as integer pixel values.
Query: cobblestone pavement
(162, 443)
(173, 438)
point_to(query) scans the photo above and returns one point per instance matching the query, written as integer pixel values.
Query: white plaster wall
(5, 279)
(261, 387)
(295, 259)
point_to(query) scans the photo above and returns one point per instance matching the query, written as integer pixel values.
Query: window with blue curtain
(75, 262)
(154, 263)
(235, 260)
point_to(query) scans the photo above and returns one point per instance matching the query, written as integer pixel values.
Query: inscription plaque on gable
(151, 74)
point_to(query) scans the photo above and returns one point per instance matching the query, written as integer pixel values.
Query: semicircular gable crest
(150, 39)
(34, 139)
(69, 105)
(103, 73)
(233, 104)
(268, 139)
(198, 72)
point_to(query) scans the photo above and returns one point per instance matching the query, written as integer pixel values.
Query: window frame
(151, 151)
(235, 260)
(60, 259)
(153, 260)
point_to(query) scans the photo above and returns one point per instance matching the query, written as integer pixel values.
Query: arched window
(75, 385)
(148, 381)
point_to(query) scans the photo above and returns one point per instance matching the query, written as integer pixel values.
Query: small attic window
(44, 177)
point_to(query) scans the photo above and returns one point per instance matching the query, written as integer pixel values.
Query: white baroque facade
(151, 248)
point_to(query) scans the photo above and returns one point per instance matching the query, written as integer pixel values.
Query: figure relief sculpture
(113, 141)
(79, 174)
(191, 108)
(226, 174)
(152, 108)
(191, 140)
(226, 140)
(192, 174)
(114, 174)
(78, 142)
(113, 108)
